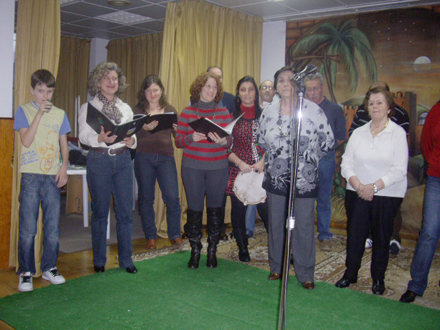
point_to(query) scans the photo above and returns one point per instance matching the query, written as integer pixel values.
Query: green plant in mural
(332, 45)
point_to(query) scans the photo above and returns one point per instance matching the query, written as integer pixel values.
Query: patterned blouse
(275, 138)
(244, 146)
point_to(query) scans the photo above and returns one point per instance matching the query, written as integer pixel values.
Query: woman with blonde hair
(109, 166)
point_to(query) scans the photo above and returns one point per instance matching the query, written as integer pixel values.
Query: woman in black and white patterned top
(276, 140)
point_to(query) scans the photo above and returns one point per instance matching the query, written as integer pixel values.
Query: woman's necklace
(280, 122)
(372, 132)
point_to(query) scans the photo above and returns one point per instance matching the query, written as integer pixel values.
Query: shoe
(25, 282)
(378, 287)
(344, 282)
(243, 255)
(224, 237)
(274, 276)
(53, 276)
(395, 247)
(368, 243)
(325, 245)
(151, 244)
(99, 269)
(177, 242)
(309, 285)
(409, 296)
(131, 269)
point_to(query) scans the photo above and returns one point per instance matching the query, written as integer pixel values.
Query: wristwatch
(375, 189)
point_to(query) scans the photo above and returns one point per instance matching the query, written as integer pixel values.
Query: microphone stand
(290, 221)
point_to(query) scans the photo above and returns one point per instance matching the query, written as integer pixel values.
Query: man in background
(267, 93)
(314, 84)
(228, 100)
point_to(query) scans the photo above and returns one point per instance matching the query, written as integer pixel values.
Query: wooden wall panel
(6, 152)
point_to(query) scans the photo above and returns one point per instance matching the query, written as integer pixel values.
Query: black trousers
(238, 214)
(364, 217)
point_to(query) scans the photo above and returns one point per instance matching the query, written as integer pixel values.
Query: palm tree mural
(332, 45)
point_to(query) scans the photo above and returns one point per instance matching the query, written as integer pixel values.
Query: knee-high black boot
(215, 223)
(193, 228)
(242, 243)
(238, 219)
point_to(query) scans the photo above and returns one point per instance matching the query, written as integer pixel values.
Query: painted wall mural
(400, 47)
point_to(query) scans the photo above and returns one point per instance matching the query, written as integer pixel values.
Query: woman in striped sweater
(204, 165)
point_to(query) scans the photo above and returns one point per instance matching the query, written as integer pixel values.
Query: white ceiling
(97, 19)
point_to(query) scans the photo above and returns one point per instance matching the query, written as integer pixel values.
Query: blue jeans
(149, 168)
(327, 168)
(36, 189)
(106, 175)
(251, 217)
(428, 239)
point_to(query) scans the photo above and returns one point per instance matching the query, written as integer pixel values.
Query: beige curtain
(137, 57)
(198, 35)
(38, 47)
(73, 75)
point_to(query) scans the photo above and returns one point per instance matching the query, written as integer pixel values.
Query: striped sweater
(203, 155)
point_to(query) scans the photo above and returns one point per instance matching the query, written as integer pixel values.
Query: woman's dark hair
(388, 98)
(200, 82)
(148, 81)
(275, 78)
(238, 101)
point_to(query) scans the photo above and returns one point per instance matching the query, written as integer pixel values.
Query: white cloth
(384, 157)
(88, 136)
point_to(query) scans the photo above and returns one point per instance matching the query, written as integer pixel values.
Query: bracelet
(357, 190)
(238, 165)
(375, 189)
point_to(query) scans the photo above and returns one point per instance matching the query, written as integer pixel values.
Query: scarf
(109, 108)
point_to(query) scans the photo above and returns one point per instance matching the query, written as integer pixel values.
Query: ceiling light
(123, 17)
(119, 3)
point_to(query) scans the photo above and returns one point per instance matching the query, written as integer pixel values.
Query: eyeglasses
(314, 89)
(267, 87)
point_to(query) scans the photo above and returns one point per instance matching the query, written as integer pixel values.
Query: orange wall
(6, 152)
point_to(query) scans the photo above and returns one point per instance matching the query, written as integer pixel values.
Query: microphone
(309, 69)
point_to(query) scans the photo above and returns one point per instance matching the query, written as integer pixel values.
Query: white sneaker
(368, 243)
(25, 282)
(395, 247)
(54, 276)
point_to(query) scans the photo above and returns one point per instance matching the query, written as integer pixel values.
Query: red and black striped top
(202, 154)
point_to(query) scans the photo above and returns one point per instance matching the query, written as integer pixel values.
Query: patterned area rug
(330, 265)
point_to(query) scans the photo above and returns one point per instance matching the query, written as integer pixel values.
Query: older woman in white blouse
(375, 166)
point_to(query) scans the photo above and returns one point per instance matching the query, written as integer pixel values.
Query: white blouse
(384, 157)
(88, 136)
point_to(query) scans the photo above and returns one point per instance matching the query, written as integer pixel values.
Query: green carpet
(165, 294)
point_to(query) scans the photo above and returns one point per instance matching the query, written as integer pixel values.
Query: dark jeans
(36, 189)
(106, 175)
(201, 183)
(149, 168)
(364, 217)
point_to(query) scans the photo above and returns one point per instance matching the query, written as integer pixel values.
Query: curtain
(72, 77)
(137, 57)
(38, 47)
(197, 35)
